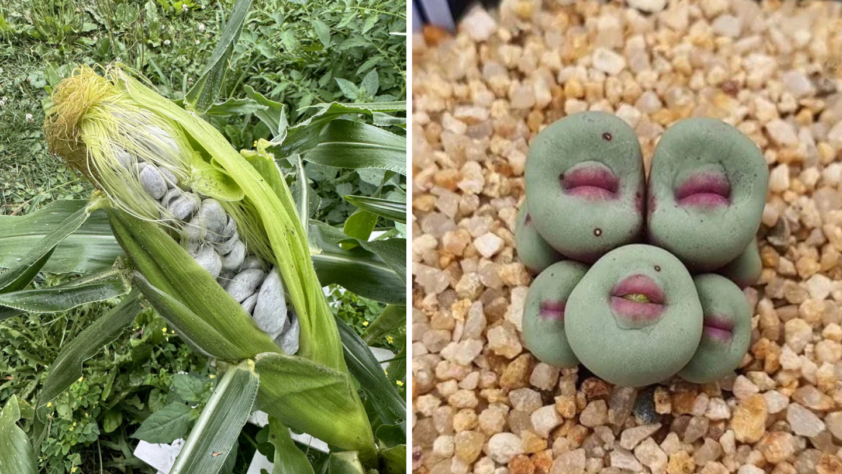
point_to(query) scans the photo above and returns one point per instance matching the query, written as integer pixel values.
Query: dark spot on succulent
(597, 232)
(657, 268)
(528, 219)
(607, 136)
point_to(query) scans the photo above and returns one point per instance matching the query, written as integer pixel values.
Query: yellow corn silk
(111, 127)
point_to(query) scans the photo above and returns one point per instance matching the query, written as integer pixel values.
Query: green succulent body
(543, 315)
(707, 188)
(585, 184)
(532, 249)
(727, 330)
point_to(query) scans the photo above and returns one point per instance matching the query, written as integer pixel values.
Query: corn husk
(95, 120)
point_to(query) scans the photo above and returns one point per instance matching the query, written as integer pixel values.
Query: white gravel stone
(478, 24)
(608, 61)
(803, 421)
(502, 447)
(649, 6)
(488, 244)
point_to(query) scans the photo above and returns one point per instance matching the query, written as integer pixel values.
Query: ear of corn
(146, 152)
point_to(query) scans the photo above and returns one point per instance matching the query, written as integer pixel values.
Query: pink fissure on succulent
(552, 309)
(704, 190)
(591, 182)
(718, 327)
(638, 311)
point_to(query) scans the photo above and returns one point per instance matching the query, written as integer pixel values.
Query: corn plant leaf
(92, 288)
(389, 436)
(67, 367)
(391, 251)
(347, 462)
(347, 144)
(18, 276)
(16, 453)
(301, 192)
(288, 458)
(274, 115)
(88, 249)
(391, 321)
(311, 398)
(219, 425)
(206, 314)
(322, 31)
(235, 107)
(204, 92)
(391, 210)
(393, 460)
(167, 424)
(305, 135)
(357, 269)
(367, 370)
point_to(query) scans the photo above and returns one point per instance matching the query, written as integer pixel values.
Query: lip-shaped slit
(704, 190)
(638, 299)
(718, 327)
(552, 309)
(591, 181)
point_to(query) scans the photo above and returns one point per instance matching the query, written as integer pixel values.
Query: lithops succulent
(543, 314)
(706, 192)
(727, 330)
(532, 249)
(745, 269)
(585, 185)
(635, 318)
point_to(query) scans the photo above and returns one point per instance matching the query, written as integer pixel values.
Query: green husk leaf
(178, 278)
(393, 460)
(219, 425)
(212, 182)
(315, 399)
(345, 463)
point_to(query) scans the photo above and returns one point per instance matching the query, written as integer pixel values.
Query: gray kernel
(249, 303)
(288, 340)
(153, 182)
(270, 312)
(244, 284)
(207, 257)
(212, 218)
(235, 257)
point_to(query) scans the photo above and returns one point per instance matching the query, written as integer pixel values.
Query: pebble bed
(481, 402)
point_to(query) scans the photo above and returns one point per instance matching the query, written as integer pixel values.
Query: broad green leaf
(167, 424)
(322, 31)
(305, 135)
(188, 387)
(288, 458)
(100, 286)
(371, 83)
(347, 144)
(312, 398)
(23, 271)
(16, 454)
(186, 294)
(204, 92)
(357, 270)
(391, 321)
(393, 460)
(349, 90)
(391, 210)
(236, 107)
(90, 248)
(391, 251)
(113, 420)
(347, 462)
(274, 116)
(360, 224)
(220, 423)
(67, 368)
(208, 180)
(389, 436)
(368, 372)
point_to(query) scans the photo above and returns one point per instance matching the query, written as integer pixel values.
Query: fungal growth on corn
(148, 167)
(638, 316)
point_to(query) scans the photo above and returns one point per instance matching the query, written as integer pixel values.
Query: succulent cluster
(639, 279)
